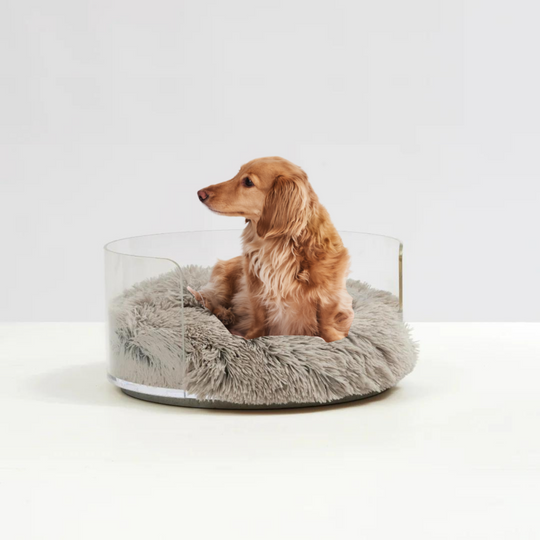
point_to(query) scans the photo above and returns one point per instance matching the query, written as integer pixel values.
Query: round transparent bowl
(375, 260)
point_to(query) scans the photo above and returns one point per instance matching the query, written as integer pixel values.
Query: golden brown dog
(290, 279)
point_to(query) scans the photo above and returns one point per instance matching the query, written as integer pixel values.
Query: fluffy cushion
(146, 328)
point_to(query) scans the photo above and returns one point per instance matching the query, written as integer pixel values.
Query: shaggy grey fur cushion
(146, 342)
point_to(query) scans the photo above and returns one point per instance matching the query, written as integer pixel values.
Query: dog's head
(271, 192)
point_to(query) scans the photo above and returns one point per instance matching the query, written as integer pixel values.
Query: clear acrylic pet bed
(163, 345)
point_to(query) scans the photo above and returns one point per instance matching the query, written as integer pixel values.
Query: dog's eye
(248, 182)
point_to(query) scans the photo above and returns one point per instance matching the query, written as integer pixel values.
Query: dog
(290, 278)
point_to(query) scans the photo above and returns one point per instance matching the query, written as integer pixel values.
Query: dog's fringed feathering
(291, 276)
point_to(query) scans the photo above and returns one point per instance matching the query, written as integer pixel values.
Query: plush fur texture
(146, 326)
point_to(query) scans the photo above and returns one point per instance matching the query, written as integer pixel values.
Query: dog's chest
(279, 274)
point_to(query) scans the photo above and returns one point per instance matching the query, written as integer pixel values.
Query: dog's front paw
(226, 316)
(198, 296)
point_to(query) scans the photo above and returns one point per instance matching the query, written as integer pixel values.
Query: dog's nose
(202, 195)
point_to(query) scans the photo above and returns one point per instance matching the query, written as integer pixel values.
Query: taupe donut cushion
(146, 328)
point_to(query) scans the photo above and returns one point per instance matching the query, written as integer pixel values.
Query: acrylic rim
(108, 247)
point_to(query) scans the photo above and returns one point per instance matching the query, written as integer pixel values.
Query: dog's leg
(257, 326)
(335, 317)
(217, 294)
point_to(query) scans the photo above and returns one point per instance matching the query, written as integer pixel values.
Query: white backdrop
(415, 119)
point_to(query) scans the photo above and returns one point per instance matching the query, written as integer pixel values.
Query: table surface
(451, 452)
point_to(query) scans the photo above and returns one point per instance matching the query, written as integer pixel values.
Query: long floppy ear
(285, 210)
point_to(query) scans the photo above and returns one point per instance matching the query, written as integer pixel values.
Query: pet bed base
(180, 398)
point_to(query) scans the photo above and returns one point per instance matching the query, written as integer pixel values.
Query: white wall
(416, 119)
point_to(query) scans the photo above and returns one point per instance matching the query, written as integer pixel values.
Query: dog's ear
(285, 208)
